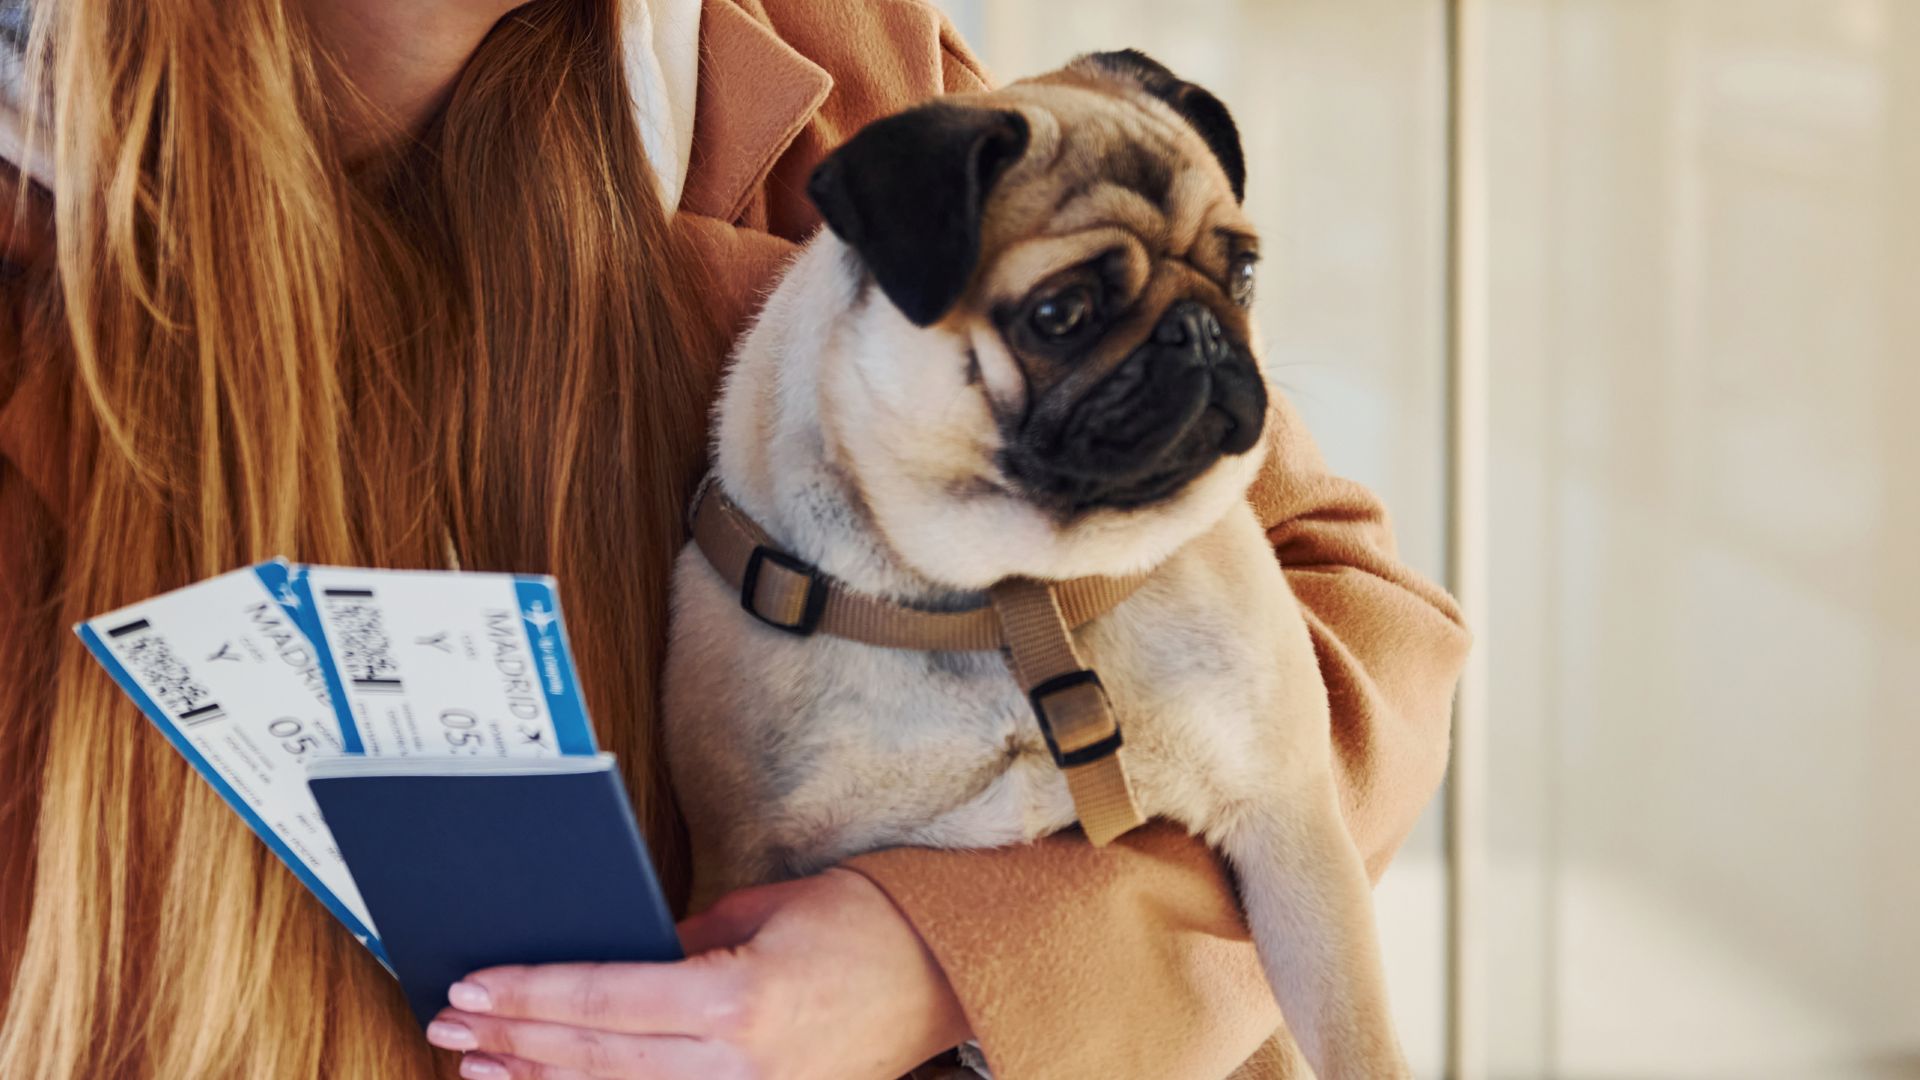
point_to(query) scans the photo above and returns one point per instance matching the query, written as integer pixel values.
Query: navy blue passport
(467, 864)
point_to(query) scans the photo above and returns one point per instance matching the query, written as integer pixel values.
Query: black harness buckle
(811, 607)
(1064, 684)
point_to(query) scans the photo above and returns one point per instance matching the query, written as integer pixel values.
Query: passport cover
(465, 864)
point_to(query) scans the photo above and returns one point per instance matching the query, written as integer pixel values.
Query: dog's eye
(1241, 277)
(1064, 312)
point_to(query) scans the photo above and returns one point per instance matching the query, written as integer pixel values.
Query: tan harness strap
(790, 595)
(1072, 707)
(1034, 621)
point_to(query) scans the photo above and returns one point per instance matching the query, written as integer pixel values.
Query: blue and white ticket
(226, 674)
(445, 663)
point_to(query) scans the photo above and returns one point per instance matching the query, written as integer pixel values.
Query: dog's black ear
(907, 192)
(1201, 109)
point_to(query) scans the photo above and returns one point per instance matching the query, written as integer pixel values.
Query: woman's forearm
(1072, 961)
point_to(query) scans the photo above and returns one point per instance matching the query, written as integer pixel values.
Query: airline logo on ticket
(225, 673)
(445, 663)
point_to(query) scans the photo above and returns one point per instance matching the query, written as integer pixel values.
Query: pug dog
(1022, 348)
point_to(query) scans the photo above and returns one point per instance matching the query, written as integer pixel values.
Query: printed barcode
(164, 675)
(361, 646)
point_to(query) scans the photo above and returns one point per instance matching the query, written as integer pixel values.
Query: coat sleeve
(1391, 644)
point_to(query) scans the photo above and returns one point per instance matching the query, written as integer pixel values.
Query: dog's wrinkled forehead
(1205, 114)
(1096, 129)
(928, 196)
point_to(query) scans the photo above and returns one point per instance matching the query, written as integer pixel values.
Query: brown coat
(1069, 962)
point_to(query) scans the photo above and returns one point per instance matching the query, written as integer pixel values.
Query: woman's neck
(401, 56)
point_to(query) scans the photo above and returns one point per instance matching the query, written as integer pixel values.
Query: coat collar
(757, 93)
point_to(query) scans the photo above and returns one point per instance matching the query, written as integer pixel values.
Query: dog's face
(1057, 373)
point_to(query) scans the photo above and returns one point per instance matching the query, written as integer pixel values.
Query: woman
(402, 282)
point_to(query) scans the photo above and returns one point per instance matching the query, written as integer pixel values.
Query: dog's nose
(1193, 324)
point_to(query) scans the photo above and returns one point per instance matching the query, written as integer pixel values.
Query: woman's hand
(821, 977)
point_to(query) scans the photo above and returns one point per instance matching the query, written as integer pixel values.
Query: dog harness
(1032, 620)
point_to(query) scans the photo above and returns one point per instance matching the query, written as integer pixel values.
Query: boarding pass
(440, 663)
(224, 671)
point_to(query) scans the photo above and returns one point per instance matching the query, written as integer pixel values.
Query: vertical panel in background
(1519, 743)
(1704, 635)
(1341, 104)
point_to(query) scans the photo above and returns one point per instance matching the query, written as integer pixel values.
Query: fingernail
(448, 1035)
(470, 996)
(475, 1067)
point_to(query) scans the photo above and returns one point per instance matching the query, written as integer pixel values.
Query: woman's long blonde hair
(476, 345)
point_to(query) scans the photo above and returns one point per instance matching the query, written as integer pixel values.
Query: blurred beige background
(1693, 294)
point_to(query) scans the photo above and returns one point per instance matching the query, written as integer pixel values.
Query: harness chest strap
(1033, 621)
(1075, 715)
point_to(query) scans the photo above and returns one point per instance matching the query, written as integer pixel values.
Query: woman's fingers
(816, 978)
(529, 1048)
(494, 1067)
(702, 996)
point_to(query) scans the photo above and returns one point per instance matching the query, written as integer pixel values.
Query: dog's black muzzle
(1180, 402)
